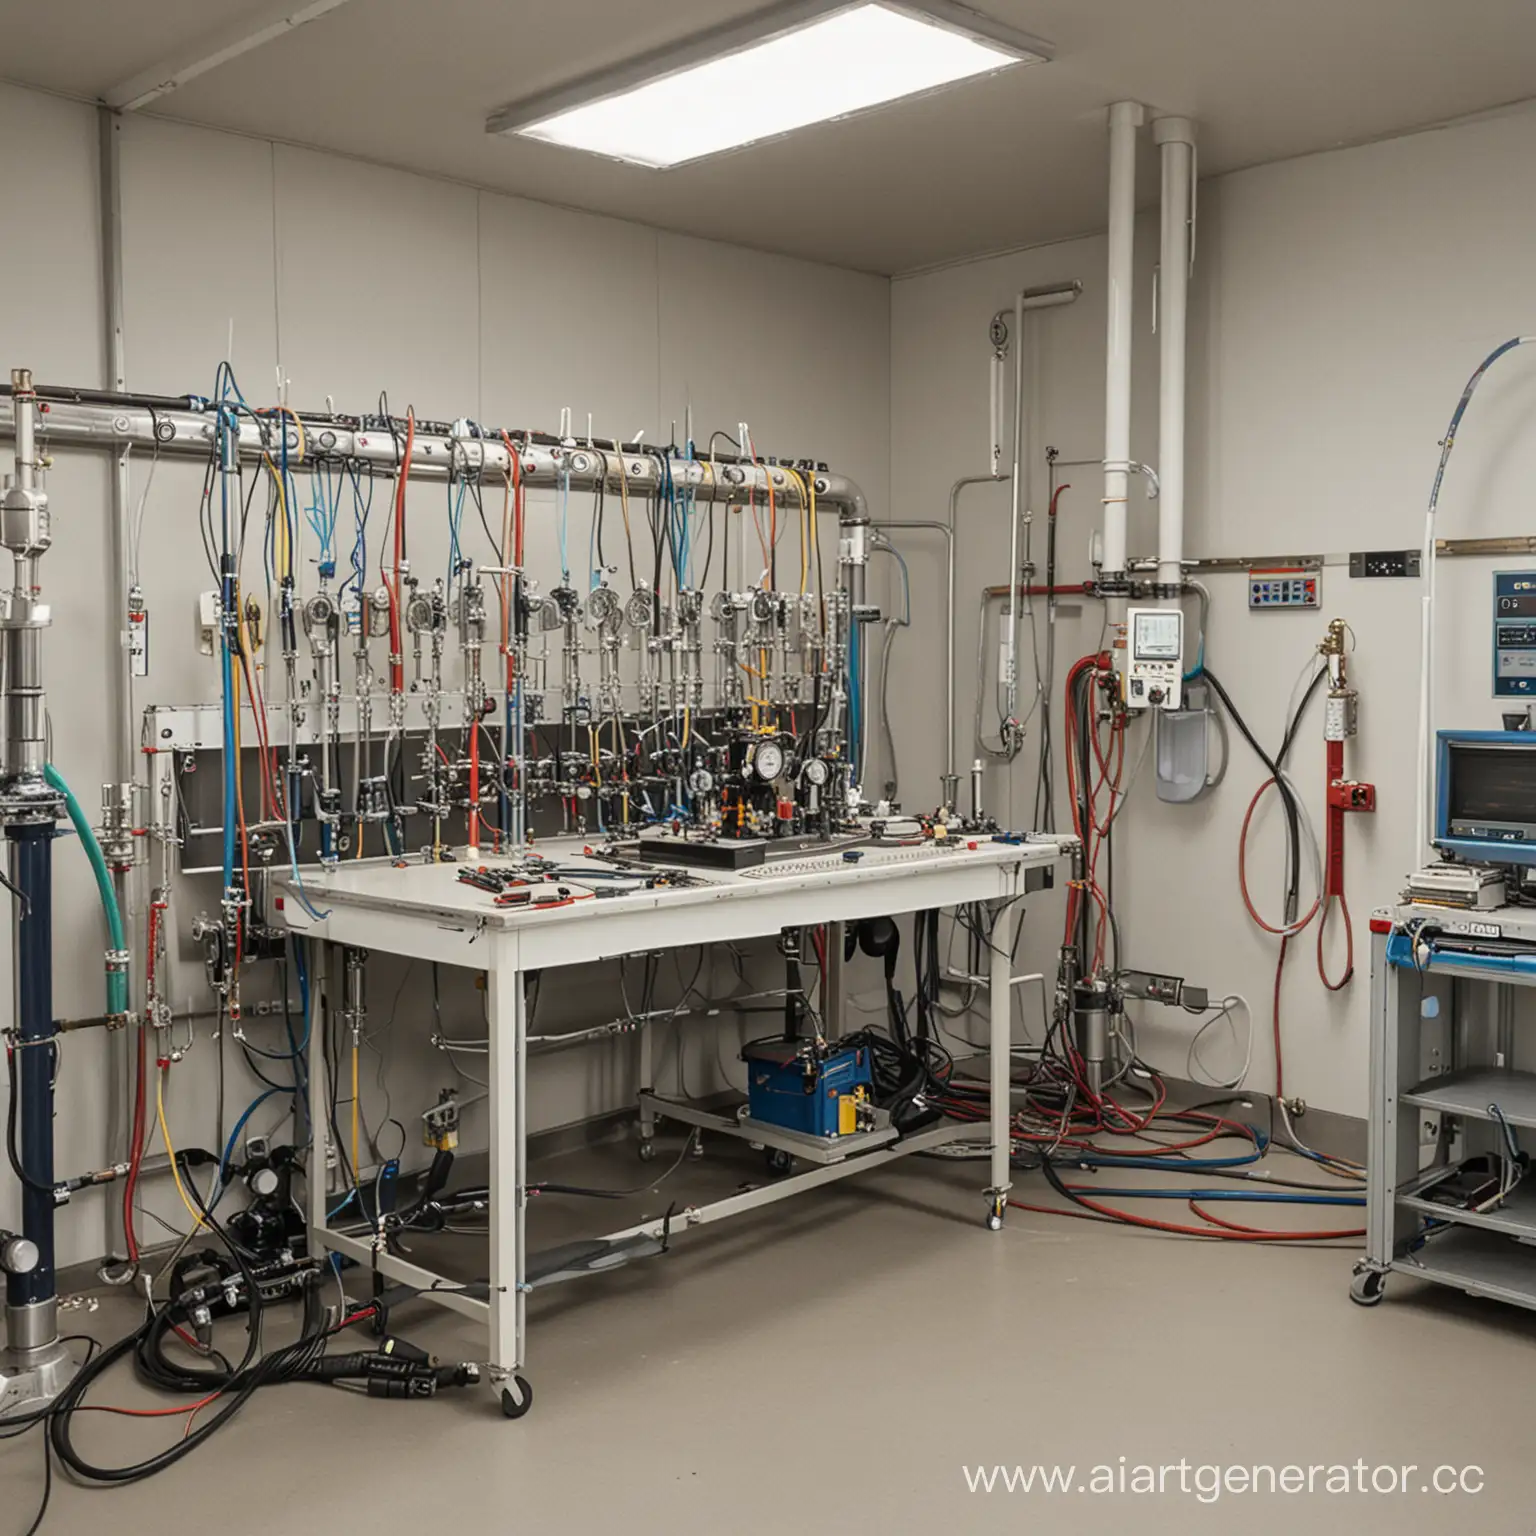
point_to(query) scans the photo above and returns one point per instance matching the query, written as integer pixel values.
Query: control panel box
(1154, 671)
(1514, 634)
(1287, 587)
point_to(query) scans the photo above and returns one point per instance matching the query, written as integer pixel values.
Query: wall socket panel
(1385, 563)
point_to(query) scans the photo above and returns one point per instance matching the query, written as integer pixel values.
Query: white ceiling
(1013, 160)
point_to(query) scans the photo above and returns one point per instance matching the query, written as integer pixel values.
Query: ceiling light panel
(858, 57)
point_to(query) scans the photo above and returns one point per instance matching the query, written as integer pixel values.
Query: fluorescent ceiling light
(796, 66)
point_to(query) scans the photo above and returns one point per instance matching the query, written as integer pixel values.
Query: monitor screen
(1157, 635)
(1492, 789)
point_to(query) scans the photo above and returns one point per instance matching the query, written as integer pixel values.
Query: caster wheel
(1367, 1288)
(994, 1222)
(516, 1399)
(779, 1162)
(647, 1151)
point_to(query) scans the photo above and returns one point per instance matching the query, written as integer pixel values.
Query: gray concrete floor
(834, 1363)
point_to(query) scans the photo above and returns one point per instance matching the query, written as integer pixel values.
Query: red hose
(1349, 946)
(474, 785)
(1242, 875)
(136, 1139)
(1226, 1232)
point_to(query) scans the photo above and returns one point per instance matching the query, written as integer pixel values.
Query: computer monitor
(1486, 796)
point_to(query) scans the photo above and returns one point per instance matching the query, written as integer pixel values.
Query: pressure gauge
(602, 606)
(319, 613)
(378, 612)
(768, 761)
(701, 781)
(815, 772)
(637, 611)
(264, 1183)
(762, 606)
(418, 613)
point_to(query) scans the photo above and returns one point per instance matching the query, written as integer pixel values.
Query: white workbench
(424, 912)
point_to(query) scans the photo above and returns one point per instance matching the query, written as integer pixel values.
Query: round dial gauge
(768, 760)
(602, 606)
(816, 771)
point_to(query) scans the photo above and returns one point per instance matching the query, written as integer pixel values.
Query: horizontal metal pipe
(1073, 589)
(1512, 544)
(190, 433)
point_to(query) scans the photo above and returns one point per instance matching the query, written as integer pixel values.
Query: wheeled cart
(1453, 1076)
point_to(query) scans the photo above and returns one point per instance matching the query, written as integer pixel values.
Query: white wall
(1339, 304)
(354, 279)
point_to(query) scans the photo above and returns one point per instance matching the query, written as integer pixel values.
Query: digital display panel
(1158, 636)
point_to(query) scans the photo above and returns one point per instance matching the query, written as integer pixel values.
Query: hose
(117, 980)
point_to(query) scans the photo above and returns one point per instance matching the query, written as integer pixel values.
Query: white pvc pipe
(1125, 118)
(1008, 665)
(1424, 828)
(1176, 138)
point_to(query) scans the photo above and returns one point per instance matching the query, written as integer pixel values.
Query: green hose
(117, 981)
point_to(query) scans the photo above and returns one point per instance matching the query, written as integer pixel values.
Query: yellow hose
(356, 1175)
(170, 1152)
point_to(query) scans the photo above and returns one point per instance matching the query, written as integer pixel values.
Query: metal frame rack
(591, 713)
(1446, 1082)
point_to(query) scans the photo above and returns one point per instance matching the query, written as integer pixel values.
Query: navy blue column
(32, 874)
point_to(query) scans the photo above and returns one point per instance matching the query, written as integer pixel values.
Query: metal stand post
(35, 1365)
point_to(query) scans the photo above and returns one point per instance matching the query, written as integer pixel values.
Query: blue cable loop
(234, 1136)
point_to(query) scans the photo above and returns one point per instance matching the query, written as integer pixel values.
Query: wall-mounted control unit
(1514, 634)
(1283, 587)
(1154, 673)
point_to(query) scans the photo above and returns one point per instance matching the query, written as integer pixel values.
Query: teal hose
(117, 981)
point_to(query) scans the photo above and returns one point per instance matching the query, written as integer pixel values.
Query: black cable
(1083, 708)
(13, 1155)
(239, 1386)
(598, 513)
(1287, 796)
(543, 1188)
(1301, 709)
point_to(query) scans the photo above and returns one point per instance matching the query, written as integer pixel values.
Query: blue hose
(1258, 1196)
(234, 1136)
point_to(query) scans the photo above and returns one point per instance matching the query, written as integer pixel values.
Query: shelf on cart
(1469, 1092)
(1517, 1215)
(1482, 1263)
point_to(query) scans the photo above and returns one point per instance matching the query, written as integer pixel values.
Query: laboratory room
(767, 766)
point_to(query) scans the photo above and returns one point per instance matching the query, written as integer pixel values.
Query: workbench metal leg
(832, 986)
(315, 1192)
(509, 1181)
(646, 1071)
(1000, 998)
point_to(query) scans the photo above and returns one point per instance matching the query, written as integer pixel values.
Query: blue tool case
(787, 1086)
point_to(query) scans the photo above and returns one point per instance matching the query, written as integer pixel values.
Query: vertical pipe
(124, 753)
(119, 662)
(1125, 117)
(832, 989)
(1176, 138)
(1009, 669)
(33, 1062)
(316, 1024)
(1000, 1051)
